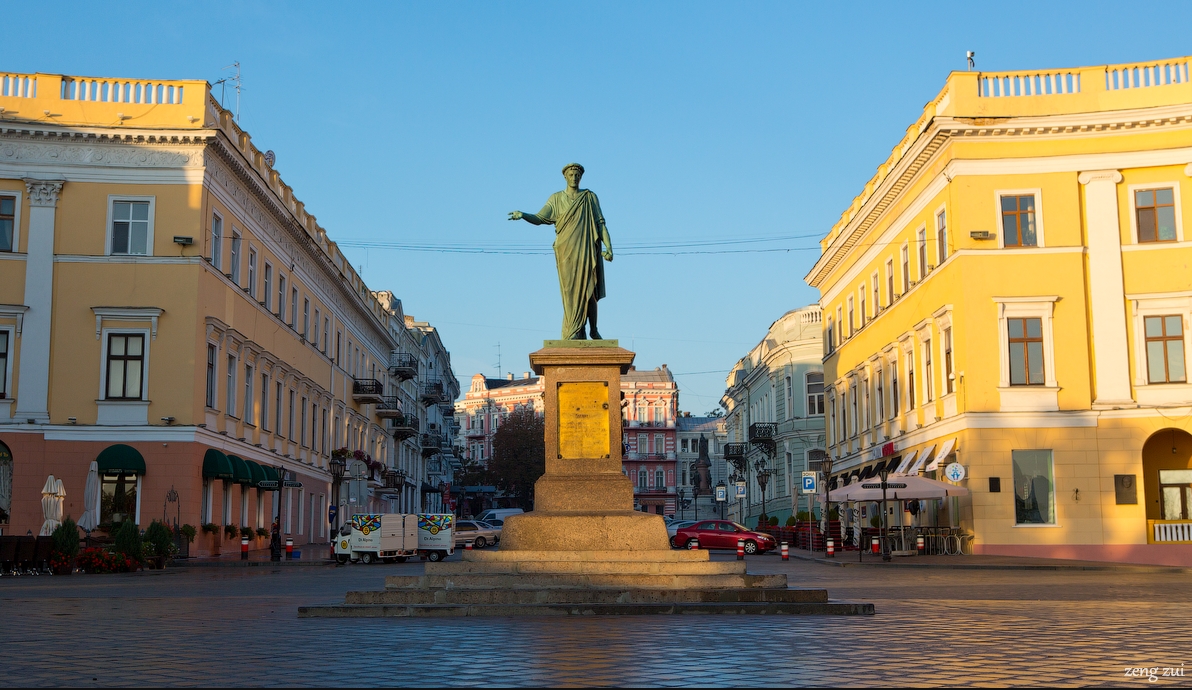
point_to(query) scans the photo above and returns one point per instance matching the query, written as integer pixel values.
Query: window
(922, 253)
(302, 424)
(248, 381)
(126, 366)
(941, 237)
(1175, 489)
(1164, 349)
(877, 294)
(1026, 351)
(889, 281)
(294, 308)
(268, 291)
(879, 382)
(277, 409)
(1154, 211)
(862, 301)
(324, 432)
(852, 399)
(1034, 487)
(130, 227)
(265, 402)
(118, 498)
(252, 273)
(928, 373)
(910, 380)
(683, 447)
(659, 480)
(895, 403)
(210, 375)
(659, 444)
(949, 384)
(642, 444)
(338, 341)
(3, 364)
(852, 322)
(231, 390)
(815, 393)
(840, 333)
(235, 272)
(314, 336)
(291, 420)
(216, 240)
(281, 296)
(305, 319)
(1018, 221)
(832, 425)
(8, 223)
(830, 334)
(641, 479)
(906, 269)
(326, 331)
(788, 399)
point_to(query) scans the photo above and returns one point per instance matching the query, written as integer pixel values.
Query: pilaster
(33, 382)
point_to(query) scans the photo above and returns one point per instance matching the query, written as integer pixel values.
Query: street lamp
(337, 466)
(763, 478)
(682, 495)
(884, 473)
(695, 500)
(275, 534)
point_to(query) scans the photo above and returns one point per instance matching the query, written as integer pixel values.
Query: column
(34, 373)
(1111, 361)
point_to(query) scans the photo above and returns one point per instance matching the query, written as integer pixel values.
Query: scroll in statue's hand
(515, 215)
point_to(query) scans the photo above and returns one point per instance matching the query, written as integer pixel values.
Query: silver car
(676, 526)
(481, 534)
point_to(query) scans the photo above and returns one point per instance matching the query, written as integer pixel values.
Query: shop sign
(290, 484)
(267, 484)
(954, 471)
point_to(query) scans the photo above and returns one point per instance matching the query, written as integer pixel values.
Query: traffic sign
(810, 483)
(267, 484)
(291, 484)
(332, 511)
(954, 471)
(721, 493)
(740, 489)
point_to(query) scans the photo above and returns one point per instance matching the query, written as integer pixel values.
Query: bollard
(831, 547)
(740, 549)
(874, 545)
(786, 556)
(694, 545)
(289, 549)
(921, 544)
(244, 548)
(468, 545)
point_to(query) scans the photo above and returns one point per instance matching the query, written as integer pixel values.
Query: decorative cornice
(43, 192)
(1100, 176)
(14, 311)
(149, 314)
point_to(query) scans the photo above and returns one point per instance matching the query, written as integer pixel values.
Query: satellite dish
(270, 158)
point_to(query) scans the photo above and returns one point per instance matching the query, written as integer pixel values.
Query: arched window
(5, 484)
(641, 478)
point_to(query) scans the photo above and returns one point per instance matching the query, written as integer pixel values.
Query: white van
(497, 516)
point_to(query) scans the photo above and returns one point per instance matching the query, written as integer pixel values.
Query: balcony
(367, 392)
(1169, 531)
(431, 444)
(447, 409)
(734, 450)
(403, 366)
(764, 435)
(433, 392)
(388, 408)
(403, 426)
(653, 490)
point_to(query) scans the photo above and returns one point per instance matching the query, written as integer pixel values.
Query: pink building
(650, 407)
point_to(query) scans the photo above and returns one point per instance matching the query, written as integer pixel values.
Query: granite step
(584, 596)
(829, 608)
(580, 580)
(567, 567)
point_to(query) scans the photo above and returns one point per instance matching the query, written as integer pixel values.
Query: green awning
(240, 472)
(258, 472)
(120, 459)
(270, 473)
(216, 465)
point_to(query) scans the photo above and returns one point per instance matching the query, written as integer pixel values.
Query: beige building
(170, 312)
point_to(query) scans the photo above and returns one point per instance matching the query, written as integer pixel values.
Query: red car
(723, 534)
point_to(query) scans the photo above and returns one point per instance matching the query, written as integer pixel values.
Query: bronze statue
(580, 234)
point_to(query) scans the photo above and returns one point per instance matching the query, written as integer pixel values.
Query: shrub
(231, 531)
(128, 543)
(790, 521)
(189, 532)
(247, 532)
(803, 516)
(66, 540)
(774, 521)
(262, 532)
(210, 528)
(159, 539)
(98, 561)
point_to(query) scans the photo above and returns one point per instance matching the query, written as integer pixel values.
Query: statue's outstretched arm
(608, 242)
(528, 217)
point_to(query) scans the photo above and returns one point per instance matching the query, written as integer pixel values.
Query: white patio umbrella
(89, 520)
(899, 487)
(52, 495)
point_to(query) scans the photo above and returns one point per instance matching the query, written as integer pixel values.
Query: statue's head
(572, 172)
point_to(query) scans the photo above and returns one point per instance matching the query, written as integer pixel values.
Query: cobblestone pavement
(238, 627)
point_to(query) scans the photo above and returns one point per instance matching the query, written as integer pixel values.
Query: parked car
(677, 525)
(723, 534)
(481, 534)
(501, 514)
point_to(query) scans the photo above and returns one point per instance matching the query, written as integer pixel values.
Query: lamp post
(695, 501)
(275, 530)
(681, 496)
(337, 467)
(763, 478)
(885, 474)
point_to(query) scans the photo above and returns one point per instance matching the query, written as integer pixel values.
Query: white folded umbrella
(89, 520)
(52, 495)
(898, 488)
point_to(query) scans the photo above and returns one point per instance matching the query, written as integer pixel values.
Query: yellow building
(1011, 292)
(174, 323)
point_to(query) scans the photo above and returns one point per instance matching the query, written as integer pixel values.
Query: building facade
(1010, 293)
(775, 406)
(174, 321)
(650, 400)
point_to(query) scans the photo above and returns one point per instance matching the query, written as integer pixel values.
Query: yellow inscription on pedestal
(583, 420)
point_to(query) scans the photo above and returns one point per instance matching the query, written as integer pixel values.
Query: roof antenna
(236, 81)
(968, 54)
(498, 359)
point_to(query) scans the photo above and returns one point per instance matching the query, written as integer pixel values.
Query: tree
(519, 455)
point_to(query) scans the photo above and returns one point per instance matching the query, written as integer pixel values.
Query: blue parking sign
(810, 483)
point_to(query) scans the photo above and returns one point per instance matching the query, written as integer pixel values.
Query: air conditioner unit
(981, 235)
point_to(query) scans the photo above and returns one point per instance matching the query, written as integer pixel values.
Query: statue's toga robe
(577, 224)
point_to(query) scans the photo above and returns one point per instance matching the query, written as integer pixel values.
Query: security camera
(168, 420)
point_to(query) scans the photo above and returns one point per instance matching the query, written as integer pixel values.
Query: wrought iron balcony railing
(403, 365)
(366, 391)
(389, 407)
(404, 426)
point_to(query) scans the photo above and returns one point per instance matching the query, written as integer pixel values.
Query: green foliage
(66, 539)
(262, 532)
(803, 516)
(210, 528)
(189, 532)
(773, 520)
(834, 514)
(519, 455)
(790, 521)
(159, 539)
(231, 531)
(247, 532)
(128, 542)
(97, 561)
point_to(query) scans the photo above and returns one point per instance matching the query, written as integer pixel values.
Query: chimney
(525, 374)
(509, 376)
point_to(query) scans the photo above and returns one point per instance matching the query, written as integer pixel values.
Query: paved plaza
(933, 627)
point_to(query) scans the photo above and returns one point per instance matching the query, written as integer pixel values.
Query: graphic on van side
(366, 523)
(435, 523)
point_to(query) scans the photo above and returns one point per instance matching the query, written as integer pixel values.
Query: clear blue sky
(427, 123)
